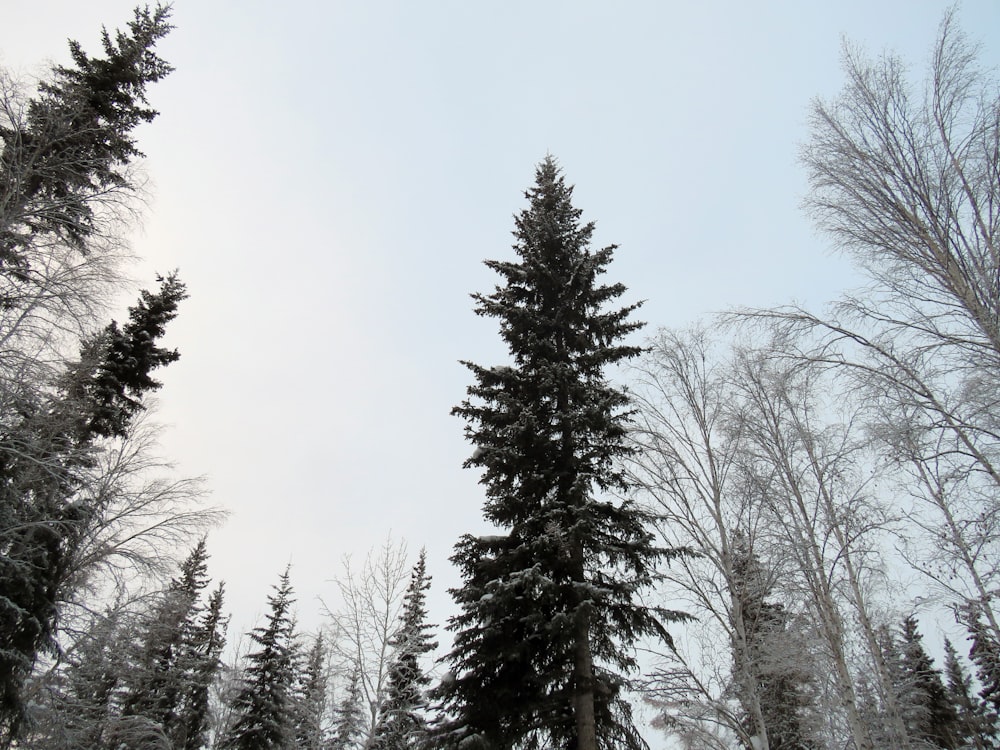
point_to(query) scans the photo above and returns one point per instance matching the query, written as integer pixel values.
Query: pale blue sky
(329, 177)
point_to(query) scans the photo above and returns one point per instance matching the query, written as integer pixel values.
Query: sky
(328, 178)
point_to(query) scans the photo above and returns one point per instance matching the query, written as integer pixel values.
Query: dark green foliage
(200, 661)
(76, 144)
(117, 364)
(263, 707)
(402, 725)
(771, 666)
(548, 608)
(156, 680)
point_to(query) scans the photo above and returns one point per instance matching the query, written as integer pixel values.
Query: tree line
(778, 505)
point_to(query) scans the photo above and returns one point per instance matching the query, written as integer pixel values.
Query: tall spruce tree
(348, 717)
(310, 699)
(974, 730)
(402, 724)
(157, 680)
(929, 714)
(549, 608)
(200, 661)
(263, 706)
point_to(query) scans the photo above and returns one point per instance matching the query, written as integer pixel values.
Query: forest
(763, 530)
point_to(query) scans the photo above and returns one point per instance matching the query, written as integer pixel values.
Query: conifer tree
(973, 730)
(348, 726)
(985, 654)
(309, 699)
(930, 717)
(157, 682)
(74, 148)
(200, 660)
(548, 608)
(402, 724)
(44, 456)
(769, 667)
(262, 708)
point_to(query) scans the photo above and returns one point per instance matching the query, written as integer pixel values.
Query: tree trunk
(583, 684)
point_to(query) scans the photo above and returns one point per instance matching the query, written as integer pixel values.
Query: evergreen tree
(200, 660)
(45, 516)
(548, 609)
(262, 708)
(73, 149)
(973, 730)
(402, 725)
(76, 706)
(349, 723)
(928, 714)
(309, 699)
(985, 654)
(769, 667)
(157, 681)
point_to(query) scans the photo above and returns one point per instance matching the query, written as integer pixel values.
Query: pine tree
(973, 729)
(309, 699)
(768, 666)
(985, 654)
(348, 726)
(199, 661)
(402, 725)
(262, 708)
(548, 608)
(44, 456)
(74, 147)
(157, 682)
(928, 714)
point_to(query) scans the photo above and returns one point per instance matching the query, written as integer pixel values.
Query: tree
(974, 730)
(67, 154)
(548, 609)
(178, 656)
(201, 661)
(262, 708)
(685, 469)
(907, 183)
(779, 682)
(811, 471)
(309, 699)
(66, 181)
(349, 719)
(930, 716)
(52, 502)
(402, 725)
(77, 705)
(157, 679)
(364, 623)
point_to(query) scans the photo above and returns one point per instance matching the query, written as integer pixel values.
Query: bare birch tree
(371, 599)
(682, 469)
(751, 456)
(907, 180)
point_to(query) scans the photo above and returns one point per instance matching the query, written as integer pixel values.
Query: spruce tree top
(553, 406)
(550, 609)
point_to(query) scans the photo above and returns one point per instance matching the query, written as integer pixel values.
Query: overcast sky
(329, 176)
